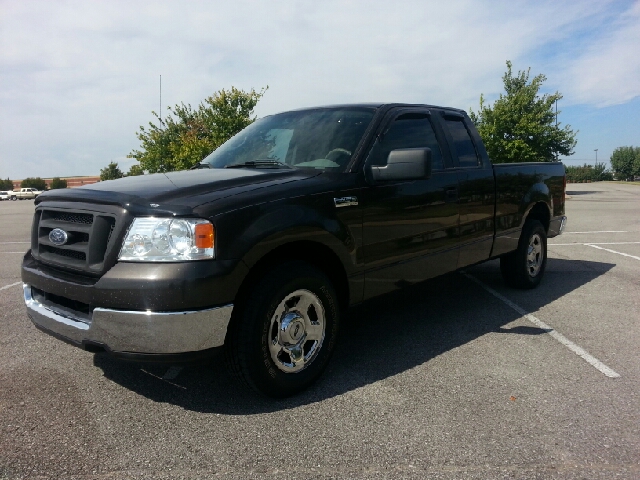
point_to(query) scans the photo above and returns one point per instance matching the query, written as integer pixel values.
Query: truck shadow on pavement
(379, 339)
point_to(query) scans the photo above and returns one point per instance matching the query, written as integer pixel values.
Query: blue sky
(604, 128)
(78, 78)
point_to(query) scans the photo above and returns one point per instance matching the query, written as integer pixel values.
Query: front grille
(88, 240)
(113, 225)
(65, 253)
(84, 218)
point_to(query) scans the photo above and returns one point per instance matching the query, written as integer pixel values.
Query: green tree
(625, 162)
(588, 173)
(135, 170)
(111, 172)
(185, 136)
(37, 183)
(57, 182)
(6, 184)
(520, 126)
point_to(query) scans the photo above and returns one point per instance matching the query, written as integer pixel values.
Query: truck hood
(188, 189)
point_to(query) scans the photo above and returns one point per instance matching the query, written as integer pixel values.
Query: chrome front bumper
(143, 332)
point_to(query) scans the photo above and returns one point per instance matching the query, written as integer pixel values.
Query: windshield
(321, 138)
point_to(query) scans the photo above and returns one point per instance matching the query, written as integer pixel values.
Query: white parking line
(613, 251)
(592, 243)
(590, 359)
(11, 252)
(598, 231)
(9, 286)
(7, 243)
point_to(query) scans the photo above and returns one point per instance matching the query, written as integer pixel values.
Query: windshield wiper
(259, 164)
(200, 165)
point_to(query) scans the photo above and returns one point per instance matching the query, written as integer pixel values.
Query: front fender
(252, 232)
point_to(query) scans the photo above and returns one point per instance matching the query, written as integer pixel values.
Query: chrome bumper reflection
(563, 224)
(557, 226)
(133, 331)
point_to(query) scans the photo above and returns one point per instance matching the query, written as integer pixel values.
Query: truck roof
(376, 105)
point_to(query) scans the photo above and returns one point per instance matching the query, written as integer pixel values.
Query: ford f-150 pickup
(259, 249)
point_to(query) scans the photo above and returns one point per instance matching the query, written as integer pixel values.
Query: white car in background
(7, 195)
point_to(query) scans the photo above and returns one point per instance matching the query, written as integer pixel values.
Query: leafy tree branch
(520, 126)
(183, 138)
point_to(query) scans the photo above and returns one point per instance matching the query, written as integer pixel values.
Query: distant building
(71, 181)
(77, 181)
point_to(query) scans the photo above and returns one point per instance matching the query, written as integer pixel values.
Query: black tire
(258, 330)
(14, 198)
(525, 267)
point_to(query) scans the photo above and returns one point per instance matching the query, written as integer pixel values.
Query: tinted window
(408, 131)
(462, 143)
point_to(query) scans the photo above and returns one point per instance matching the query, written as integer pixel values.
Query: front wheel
(284, 334)
(525, 267)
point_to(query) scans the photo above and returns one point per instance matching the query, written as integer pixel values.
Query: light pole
(556, 125)
(596, 150)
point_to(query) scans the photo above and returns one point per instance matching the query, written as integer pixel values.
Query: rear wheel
(283, 335)
(525, 267)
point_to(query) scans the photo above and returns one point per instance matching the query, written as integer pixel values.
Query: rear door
(476, 188)
(409, 227)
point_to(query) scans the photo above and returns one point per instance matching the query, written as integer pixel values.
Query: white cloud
(608, 73)
(77, 79)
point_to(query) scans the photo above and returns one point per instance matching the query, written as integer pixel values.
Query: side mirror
(405, 164)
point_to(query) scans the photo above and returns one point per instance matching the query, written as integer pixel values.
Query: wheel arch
(315, 254)
(539, 211)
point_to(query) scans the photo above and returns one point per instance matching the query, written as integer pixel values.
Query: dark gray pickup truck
(290, 222)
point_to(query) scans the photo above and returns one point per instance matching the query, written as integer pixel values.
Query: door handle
(451, 194)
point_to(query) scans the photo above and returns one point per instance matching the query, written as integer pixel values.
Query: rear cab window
(463, 150)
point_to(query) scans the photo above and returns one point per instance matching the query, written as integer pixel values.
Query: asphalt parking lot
(459, 378)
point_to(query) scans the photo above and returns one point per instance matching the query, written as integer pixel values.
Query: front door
(410, 228)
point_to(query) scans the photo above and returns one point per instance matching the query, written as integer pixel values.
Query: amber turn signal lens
(204, 235)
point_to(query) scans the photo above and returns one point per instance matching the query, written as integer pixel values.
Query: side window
(411, 130)
(462, 144)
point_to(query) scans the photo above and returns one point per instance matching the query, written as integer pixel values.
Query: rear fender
(538, 195)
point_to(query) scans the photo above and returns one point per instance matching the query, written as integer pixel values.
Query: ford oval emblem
(57, 236)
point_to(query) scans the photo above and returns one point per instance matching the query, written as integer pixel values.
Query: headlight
(152, 239)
